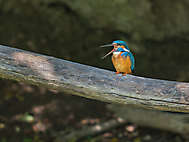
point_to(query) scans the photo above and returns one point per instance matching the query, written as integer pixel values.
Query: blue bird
(122, 58)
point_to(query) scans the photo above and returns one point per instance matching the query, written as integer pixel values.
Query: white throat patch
(116, 53)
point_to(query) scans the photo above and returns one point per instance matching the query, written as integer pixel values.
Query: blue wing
(132, 61)
(131, 57)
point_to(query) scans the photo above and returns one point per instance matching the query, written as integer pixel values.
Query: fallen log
(169, 121)
(87, 131)
(91, 82)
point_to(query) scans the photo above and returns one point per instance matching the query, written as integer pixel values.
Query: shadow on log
(91, 82)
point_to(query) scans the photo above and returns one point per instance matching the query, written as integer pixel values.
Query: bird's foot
(117, 72)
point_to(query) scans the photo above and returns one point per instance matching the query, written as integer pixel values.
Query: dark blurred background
(156, 31)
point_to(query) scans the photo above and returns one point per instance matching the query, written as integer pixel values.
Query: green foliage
(27, 118)
(3, 140)
(28, 140)
(34, 139)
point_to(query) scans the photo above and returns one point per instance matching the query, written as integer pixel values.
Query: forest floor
(38, 115)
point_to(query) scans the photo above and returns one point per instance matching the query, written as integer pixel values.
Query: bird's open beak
(108, 45)
(108, 53)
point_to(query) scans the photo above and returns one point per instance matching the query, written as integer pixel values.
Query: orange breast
(121, 63)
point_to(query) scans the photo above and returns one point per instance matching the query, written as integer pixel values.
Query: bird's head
(119, 46)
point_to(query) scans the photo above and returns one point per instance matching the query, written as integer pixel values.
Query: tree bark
(91, 82)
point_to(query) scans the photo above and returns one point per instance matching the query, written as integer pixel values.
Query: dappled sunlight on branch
(38, 64)
(183, 87)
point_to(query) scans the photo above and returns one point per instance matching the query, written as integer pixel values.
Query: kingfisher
(122, 58)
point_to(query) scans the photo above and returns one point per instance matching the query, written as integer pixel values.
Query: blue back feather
(132, 61)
